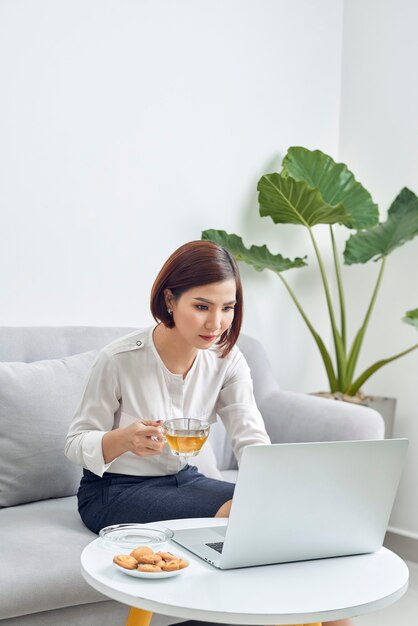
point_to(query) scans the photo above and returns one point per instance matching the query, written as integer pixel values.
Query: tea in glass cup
(185, 435)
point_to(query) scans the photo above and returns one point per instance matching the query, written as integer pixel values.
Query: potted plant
(313, 189)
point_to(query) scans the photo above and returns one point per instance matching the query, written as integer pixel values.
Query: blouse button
(139, 343)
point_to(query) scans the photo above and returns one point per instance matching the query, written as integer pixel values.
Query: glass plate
(136, 574)
(130, 536)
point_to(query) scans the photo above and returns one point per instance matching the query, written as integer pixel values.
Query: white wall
(379, 125)
(128, 126)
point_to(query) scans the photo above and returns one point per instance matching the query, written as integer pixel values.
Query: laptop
(301, 501)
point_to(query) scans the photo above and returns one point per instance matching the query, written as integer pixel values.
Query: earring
(169, 311)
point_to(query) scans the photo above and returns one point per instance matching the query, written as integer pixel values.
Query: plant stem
(358, 341)
(324, 352)
(339, 348)
(340, 288)
(373, 368)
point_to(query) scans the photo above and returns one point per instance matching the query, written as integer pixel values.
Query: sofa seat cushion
(40, 558)
(230, 475)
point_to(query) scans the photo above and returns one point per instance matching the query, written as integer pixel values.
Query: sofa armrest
(296, 417)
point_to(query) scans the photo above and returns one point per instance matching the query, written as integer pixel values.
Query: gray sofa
(42, 373)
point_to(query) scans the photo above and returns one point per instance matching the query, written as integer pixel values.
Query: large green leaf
(335, 182)
(377, 242)
(406, 200)
(288, 201)
(411, 317)
(257, 256)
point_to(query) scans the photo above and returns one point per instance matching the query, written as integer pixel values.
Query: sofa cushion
(37, 402)
(40, 557)
(230, 475)
(221, 445)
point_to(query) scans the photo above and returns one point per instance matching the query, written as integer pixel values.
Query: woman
(186, 365)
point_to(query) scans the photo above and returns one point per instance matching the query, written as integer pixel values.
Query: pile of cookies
(144, 559)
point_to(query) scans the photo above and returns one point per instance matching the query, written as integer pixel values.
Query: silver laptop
(298, 501)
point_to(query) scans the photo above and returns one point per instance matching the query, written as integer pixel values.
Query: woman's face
(202, 314)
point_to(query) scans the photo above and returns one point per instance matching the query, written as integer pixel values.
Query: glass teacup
(185, 435)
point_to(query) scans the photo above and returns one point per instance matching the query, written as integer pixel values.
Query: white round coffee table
(290, 593)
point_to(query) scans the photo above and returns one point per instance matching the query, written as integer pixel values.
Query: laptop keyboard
(216, 546)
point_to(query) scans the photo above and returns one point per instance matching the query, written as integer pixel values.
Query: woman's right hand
(142, 437)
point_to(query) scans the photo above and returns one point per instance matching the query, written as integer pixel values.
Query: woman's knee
(224, 509)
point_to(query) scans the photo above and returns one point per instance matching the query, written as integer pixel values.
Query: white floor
(403, 613)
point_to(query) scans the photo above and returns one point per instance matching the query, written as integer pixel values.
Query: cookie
(144, 567)
(141, 551)
(171, 566)
(166, 556)
(126, 561)
(149, 559)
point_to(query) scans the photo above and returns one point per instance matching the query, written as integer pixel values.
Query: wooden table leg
(138, 617)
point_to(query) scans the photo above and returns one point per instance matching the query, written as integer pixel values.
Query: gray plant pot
(386, 407)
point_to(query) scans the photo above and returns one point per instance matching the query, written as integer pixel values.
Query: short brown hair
(193, 264)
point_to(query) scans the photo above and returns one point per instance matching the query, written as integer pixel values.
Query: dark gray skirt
(122, 499)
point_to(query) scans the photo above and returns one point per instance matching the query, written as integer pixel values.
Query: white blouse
(129, 381)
